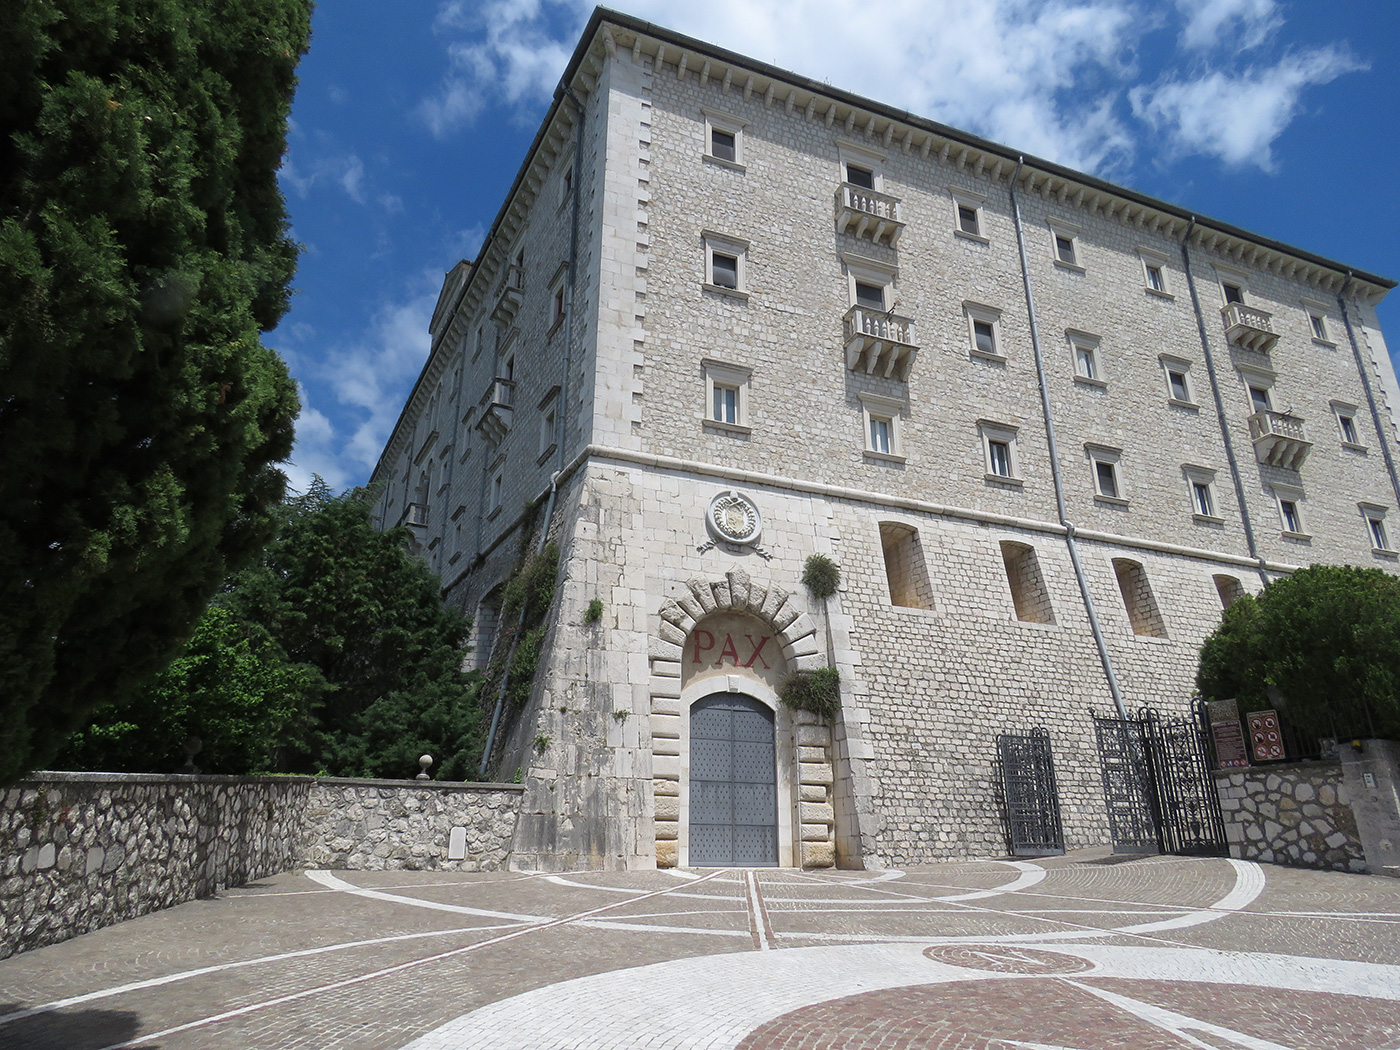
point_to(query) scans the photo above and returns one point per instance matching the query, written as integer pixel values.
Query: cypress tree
(143, 246)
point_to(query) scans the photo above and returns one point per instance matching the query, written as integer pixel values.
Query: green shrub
(816, 691)
(821, 576)
(594, 613)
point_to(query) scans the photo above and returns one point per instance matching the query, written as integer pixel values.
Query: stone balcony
(1278, 439)
(1248, 327)
(509, 298)
(866, 213)
(497, 409)
(879, 343)
(415, 515)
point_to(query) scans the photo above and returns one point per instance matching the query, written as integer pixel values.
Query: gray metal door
(733, 783)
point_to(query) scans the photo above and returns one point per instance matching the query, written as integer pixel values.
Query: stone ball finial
(424, 761)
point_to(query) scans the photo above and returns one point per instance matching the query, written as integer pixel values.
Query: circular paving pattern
(1051, 1014)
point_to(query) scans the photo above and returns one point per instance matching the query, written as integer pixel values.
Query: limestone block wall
(79, 851)
(83, 850)
(1295, 814)
(374, 825)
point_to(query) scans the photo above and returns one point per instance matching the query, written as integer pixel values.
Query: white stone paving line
(330, 881)
(708, 1003)
(361, 978)
(185, 975)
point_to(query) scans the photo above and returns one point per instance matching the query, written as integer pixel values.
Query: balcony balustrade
(879, 343)
(415, 515)
(865, 213)
(497, 408)
(509, 298)
(1278, 439)
(1249, 327)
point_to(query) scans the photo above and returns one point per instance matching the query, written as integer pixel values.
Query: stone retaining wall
(1294, 814)
(373, 825)
(83, 850)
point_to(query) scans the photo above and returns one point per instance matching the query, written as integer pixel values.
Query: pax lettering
(704, 642)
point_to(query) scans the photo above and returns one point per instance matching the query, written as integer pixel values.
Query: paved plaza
(1069, 953)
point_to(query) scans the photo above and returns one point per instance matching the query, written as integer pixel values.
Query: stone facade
(79, 851)
(1041, 462)
(1296, 814)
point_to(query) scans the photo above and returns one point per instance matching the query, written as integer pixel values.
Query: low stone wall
(373, 825)
(83, 850)
(1297, 814)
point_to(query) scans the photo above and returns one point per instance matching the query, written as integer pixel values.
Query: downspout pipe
(1094, 626)
(1376, 419)
(561, 420)
(1235, 476)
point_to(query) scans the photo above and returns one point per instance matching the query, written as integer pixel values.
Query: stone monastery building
(728, 318)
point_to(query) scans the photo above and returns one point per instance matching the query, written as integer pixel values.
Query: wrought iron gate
(1157, 786)
(1188, 805)
(1031, 795)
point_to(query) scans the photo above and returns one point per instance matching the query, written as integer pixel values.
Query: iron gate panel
(1127, 790)
(733, 783)
(1031, 794)
(1188, 805)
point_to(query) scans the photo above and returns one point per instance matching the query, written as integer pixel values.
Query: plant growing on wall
(530, 591)
(821, 576)
(816, 691)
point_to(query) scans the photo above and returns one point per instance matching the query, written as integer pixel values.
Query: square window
(724, 270)
(871, 295)
(984, 337)
(1154, 272)
(1319, 326)
(723, 144)
(726, 404)
(726, 265)
(1347, 426)
(1201, 499)
(1288, 511)
(1088, 368)
(1106, 478)
(860, 176)
(1232, 292)
(724, 139)
(1176, 385)
(984, 330)
(1108, 482)
(969, 221)
(967, 214)
(1259, 398)
(726, 395)
(1379, 540)
(558, 314)
(999, 458)
(1064, 245)
(497, 491)
(881, 416)
(999, 451)
(880, 434)
(1084, 362)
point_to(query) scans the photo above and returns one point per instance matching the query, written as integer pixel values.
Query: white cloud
(1011, 70)
(360, 388)
(1238, 118)
(346, 170)
(509, 55)
(1236, 24)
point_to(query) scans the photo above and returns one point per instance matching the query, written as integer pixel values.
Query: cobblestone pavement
(1071, 953)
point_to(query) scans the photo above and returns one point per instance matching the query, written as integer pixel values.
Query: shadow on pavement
(69, 1029)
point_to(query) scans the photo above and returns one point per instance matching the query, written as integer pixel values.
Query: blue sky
(412, 119)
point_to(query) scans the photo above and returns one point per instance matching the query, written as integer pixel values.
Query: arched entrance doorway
(733, 783)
